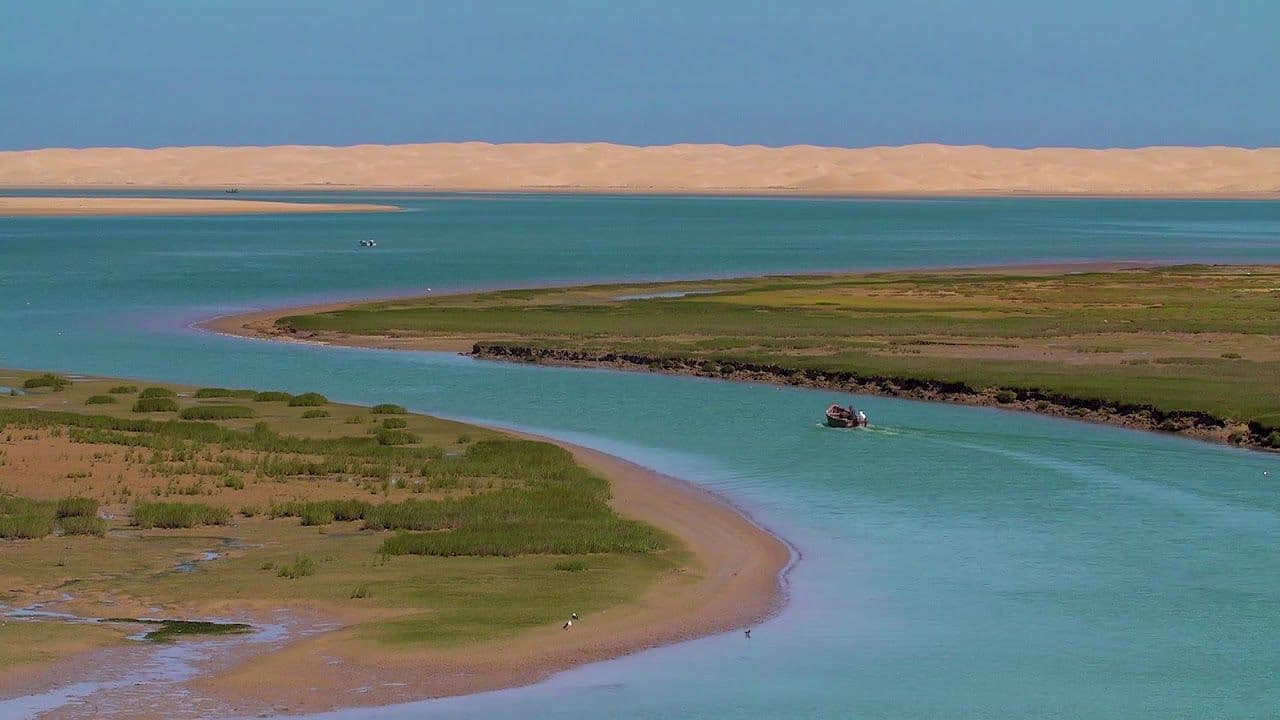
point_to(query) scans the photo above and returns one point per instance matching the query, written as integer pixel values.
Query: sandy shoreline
(62, 206)
(734, 580)
(913, 170)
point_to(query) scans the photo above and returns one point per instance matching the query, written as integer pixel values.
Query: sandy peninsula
(926, 169)
(57, 206)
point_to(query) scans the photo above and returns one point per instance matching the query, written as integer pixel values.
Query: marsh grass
(395, 423)
(213, 392)
(47, 380)
(309, 399)
(170, 630)
(157, 392)
(123, 389)
(302, 566)
(100, 400)
(387, 409)
(168, 515)
(271, 396)
(154, 404)
(313, 414)
(387, 436)
(216, 412)
(76, 507)
(571, 566)
(83, 526)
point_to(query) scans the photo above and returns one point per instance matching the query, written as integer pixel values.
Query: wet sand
(59, 206)
(925, 169)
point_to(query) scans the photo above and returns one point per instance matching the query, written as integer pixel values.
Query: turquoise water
(955, 562)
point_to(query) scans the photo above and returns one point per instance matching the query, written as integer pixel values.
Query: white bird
(568, 624)
(573, 616)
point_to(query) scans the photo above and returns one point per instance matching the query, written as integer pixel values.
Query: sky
(1090, 73)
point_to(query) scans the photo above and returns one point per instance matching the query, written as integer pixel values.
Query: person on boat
(862, 418)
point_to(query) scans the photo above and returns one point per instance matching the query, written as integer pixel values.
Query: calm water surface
(956, 562)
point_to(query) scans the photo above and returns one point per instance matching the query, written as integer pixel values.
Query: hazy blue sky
(1062, 72)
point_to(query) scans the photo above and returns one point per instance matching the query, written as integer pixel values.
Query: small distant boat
(368, 244)
(232, 190)
(845, 417)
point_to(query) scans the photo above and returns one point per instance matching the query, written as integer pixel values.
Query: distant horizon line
(607, 143)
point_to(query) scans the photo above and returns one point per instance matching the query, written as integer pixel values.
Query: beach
(58, 206)
(911, 170)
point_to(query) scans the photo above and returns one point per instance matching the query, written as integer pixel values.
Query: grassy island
(1192, 349)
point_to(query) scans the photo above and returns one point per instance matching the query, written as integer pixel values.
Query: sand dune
(601, 167)
(29, 205)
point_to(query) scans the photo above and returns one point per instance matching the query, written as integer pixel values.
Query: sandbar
(60, 206)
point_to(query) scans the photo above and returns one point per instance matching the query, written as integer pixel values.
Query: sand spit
(54, 206)
(927, 169)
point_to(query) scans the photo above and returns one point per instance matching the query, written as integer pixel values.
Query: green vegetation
(100, 400)
(302, 566)
(271, 396)
(571, 566)
(395, 423)
(178, 515)
(387, 436)
(310, 399)
(123, 389)
(171, 630)
(47, 380)
(1186, 338)
(77, 507)
(387, 409)
(214, 393)
(216, 412)
(154, 404)
(157, 392)
(313, 414)
(22, 518)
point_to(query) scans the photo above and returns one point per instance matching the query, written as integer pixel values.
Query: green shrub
(387, 409)
(155, 404)
(311, 399)
(301, 566)
(214, 393)
(250, 511)
(100, 400)
(48, 380)
(233, 482)
(1230, 356)
(571, 565)
(23, 519)
(354, 420)
(1004, 397)
(395, 423)
(313, 414)
(216, 412)
(271, 396)
(316, 514)
(178, 515)
(84, 526)
(76, 507)
(360, 592)
(123, 390)
(1274, 440)
(388, 436)
(157, 392)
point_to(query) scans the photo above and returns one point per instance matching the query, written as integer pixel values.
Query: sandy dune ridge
(602, 167)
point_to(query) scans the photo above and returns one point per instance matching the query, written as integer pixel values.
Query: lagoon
(955, 562)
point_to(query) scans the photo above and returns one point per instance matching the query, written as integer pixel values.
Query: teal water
(955, 562)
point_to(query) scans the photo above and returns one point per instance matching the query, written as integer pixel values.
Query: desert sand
(601, 167)
(52, 206)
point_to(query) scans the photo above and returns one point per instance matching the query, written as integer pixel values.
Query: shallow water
(956, 562)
